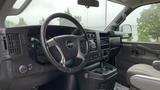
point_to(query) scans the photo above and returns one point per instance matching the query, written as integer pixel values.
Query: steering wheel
(68, 46)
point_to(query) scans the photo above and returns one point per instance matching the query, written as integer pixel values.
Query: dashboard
(21, 49)
(99, 43)
(25, 41)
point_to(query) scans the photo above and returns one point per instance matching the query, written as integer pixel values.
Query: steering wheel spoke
(81, 55)
(63, 61)
(51, 42)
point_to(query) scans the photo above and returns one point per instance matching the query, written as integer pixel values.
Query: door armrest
(143, 82)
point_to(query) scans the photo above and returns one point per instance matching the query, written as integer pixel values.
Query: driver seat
(143, 77)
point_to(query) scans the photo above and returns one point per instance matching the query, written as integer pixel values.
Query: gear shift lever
(102, 67)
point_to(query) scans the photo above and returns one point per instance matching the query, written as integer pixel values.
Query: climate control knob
(23, 69)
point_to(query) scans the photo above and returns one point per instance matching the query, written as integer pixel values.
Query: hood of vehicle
(134, 3)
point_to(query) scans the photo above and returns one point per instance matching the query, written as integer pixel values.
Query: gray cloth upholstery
(142, 69)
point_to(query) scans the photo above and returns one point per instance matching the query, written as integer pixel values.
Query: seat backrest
(143, 82)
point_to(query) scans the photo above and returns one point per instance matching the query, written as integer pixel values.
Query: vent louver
(104, 40)
(13, 44)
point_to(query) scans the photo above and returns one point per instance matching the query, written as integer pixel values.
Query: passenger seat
(143, 77)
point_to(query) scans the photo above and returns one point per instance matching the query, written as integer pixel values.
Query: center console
(93, 46)
(98, 46)
(98, 78)
(101, 75)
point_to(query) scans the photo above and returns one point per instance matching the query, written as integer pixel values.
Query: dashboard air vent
(104, 40)
(13, 44)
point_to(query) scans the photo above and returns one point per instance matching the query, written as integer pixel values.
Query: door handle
(137, 52)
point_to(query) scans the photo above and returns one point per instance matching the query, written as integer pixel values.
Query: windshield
(90, 18)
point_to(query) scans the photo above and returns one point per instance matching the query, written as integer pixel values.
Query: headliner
(135, 3)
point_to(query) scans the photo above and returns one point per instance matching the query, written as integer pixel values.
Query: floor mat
(120, 87)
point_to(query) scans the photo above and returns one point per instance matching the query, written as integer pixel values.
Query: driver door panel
(135, 53)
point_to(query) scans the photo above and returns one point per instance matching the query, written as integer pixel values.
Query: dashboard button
(23, 69)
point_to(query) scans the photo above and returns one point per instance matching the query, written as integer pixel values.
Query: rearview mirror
(89, 3)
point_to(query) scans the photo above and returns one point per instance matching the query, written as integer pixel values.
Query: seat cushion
(142, 69)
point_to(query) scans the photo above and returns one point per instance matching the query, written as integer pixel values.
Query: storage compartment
(98, 78)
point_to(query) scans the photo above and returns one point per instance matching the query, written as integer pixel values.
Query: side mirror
(127, 28)
(126, 31)
(89, 3)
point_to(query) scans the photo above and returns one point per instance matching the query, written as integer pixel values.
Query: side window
(145, 22)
